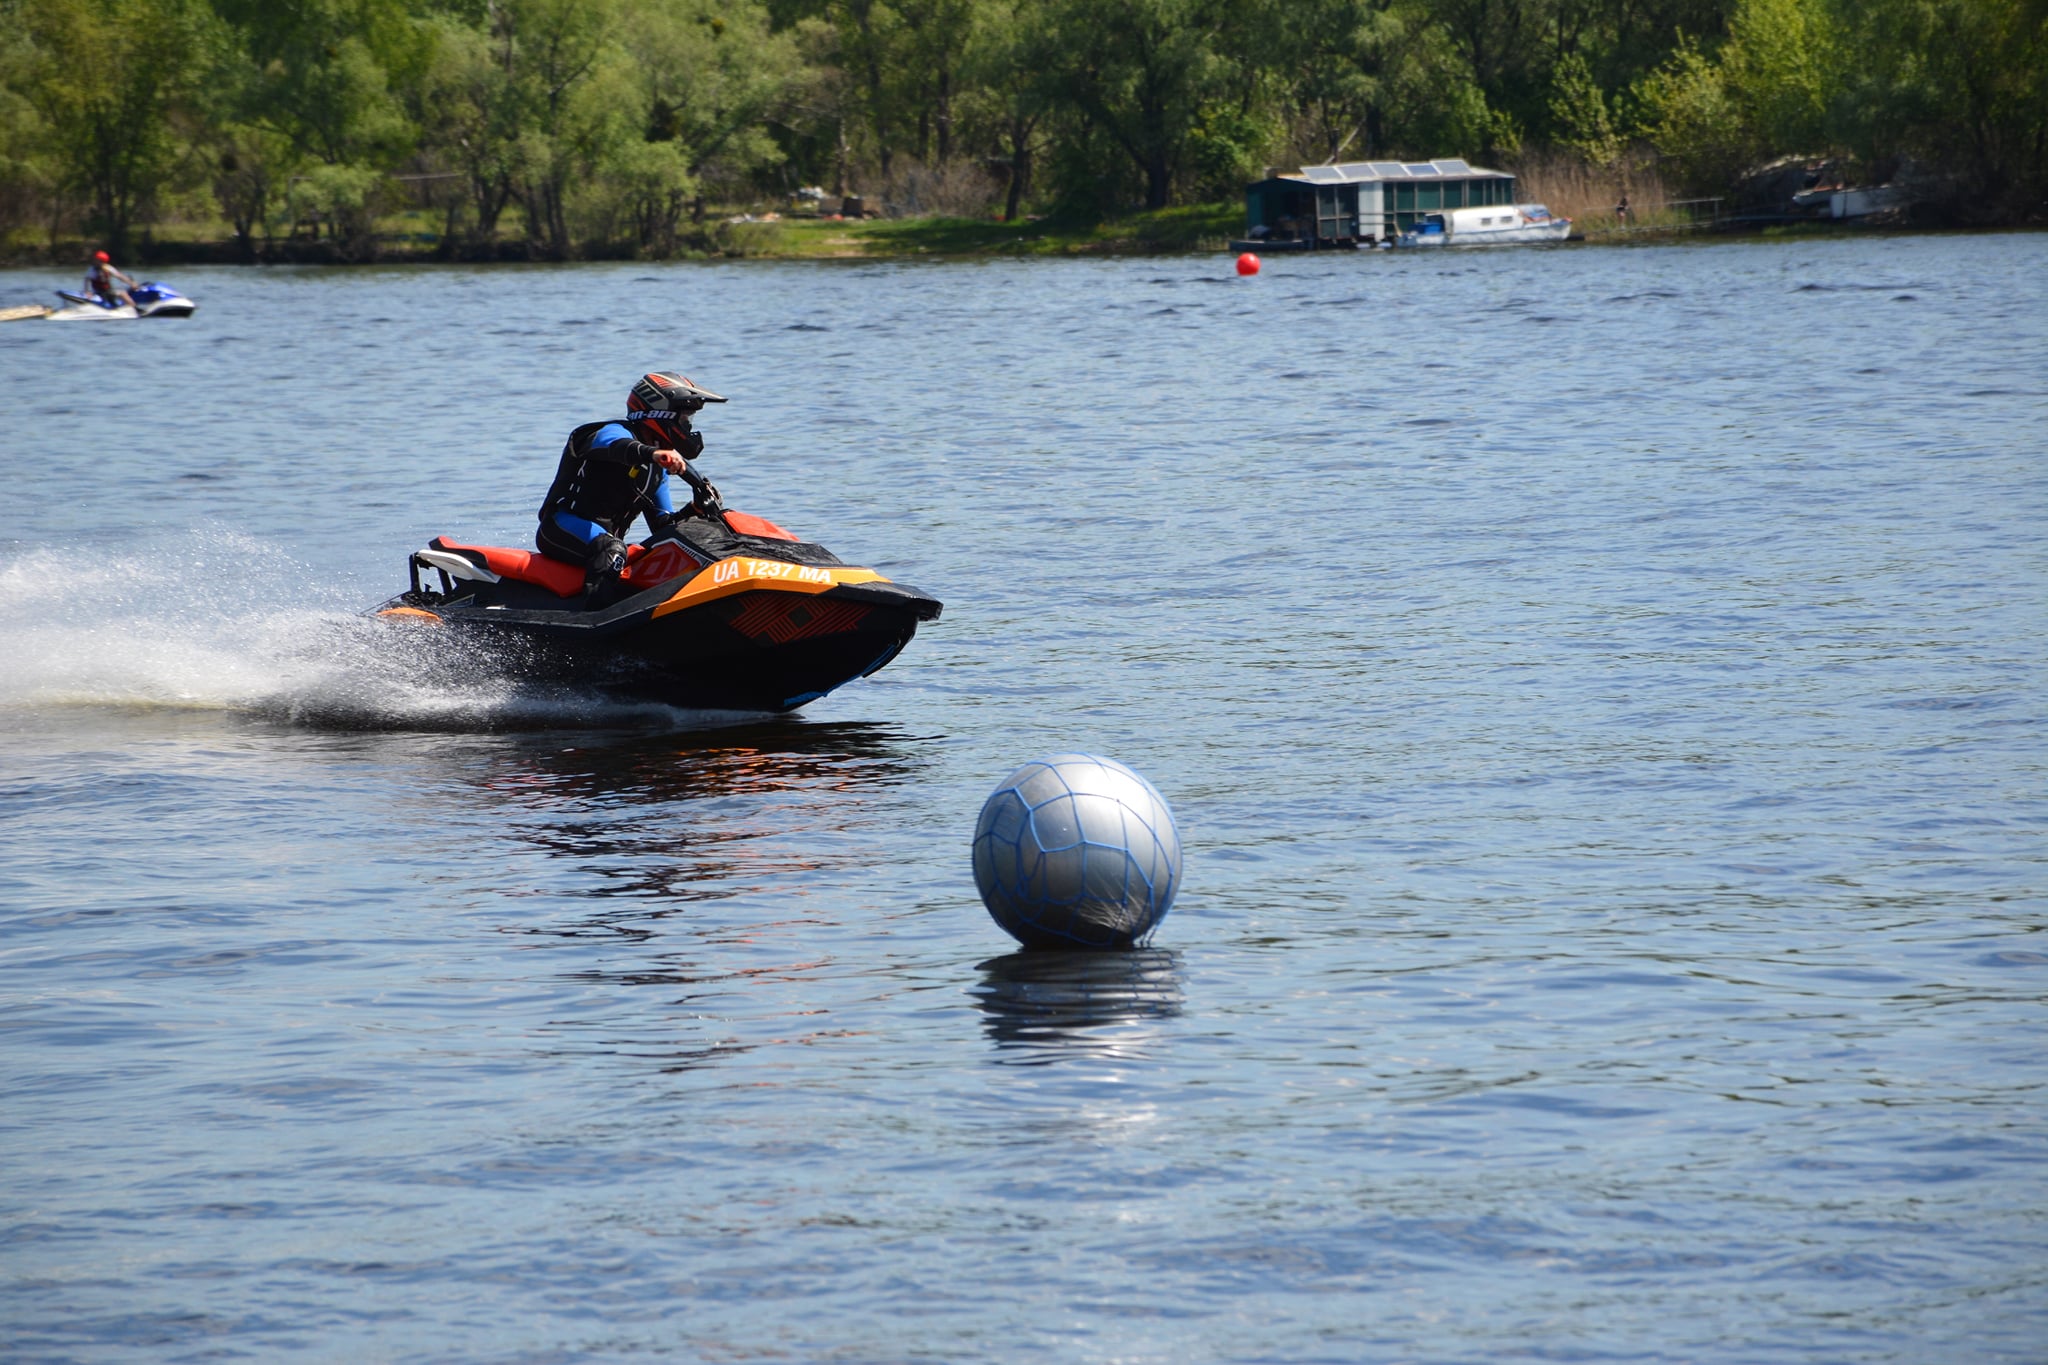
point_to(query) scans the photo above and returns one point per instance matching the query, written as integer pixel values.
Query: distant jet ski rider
(613, 471)
(100, 277)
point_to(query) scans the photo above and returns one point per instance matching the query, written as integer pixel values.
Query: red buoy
(1247, 264)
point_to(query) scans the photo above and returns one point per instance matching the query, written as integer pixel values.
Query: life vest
(590, 484)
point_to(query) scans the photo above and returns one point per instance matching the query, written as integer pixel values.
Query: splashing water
(221, 621)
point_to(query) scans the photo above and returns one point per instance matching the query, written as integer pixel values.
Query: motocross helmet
(664, 401)
(102, 257)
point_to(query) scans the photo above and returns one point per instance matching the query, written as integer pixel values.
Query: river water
(1601, 691)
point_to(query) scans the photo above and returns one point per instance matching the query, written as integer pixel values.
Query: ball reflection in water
(1076, 851)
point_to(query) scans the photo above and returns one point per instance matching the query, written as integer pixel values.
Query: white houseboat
(1363, 203)
(1501, 225)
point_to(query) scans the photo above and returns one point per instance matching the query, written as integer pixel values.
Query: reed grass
(1589, 194)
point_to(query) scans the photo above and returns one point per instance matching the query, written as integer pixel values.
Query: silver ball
(1076, 851)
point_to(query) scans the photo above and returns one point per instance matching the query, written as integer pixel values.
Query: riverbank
(405, 240)
(1197, 228)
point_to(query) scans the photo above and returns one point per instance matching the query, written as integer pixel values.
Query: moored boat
(1498, 225)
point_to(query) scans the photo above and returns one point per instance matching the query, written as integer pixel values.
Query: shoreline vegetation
(359, 131)
(1196, 230)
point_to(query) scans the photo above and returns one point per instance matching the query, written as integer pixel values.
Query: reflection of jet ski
(151, 301)
(717, 609)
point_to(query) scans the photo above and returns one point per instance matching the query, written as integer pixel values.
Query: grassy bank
(1202, 227)
(412, 239)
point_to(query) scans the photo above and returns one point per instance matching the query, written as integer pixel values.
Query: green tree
(27, 185)
(1579, 116)
(472, 113)
(689, 99)
(317, 86)
(321, 72)
(1006, 67)
(1781, 64)
(1330, 57)
(1434, 106)
(1685, 110)
(571, 80)
(252, 168)
(713, 77)
(1958, 85)
(865, 49)
(1505, 46)
(103, 79)
(1141, 72)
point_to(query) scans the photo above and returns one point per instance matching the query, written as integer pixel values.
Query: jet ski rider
(100, 277)
(613, 471)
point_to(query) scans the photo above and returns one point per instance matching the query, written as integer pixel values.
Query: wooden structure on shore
(1362, 203)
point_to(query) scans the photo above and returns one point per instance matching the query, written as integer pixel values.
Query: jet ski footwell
(704, 618)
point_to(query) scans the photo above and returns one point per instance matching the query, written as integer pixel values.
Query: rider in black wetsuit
(611, 472)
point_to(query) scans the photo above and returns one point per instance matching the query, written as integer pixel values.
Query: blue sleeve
(611, 434)
(613, 444)
(582, 528)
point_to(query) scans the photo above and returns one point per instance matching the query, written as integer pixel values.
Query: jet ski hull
(152, 300)
(743, 633)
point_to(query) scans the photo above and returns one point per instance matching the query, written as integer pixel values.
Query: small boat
(717, 610)
(152, 300)
(1499, 225)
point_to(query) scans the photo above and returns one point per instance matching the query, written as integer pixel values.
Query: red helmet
(101, 257)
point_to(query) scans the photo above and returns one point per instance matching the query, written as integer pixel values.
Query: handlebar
(706, 493)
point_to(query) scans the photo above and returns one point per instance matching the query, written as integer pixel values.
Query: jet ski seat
(490, 563)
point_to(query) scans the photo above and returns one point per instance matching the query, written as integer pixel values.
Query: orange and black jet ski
(716, 610)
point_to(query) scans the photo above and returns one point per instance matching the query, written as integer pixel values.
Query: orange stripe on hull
(743, 574)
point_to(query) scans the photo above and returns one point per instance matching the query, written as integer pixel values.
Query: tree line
(559, 128)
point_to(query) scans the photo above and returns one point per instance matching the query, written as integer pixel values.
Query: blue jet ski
(152, 300)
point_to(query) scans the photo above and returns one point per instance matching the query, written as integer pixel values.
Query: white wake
(224, 622)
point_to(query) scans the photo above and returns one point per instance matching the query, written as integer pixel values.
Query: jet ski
(152, 300)
(717, 610)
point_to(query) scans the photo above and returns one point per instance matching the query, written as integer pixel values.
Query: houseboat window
(1404, 197)
(1429, 196)
(1454, 194)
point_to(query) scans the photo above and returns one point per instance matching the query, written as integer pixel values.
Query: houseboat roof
(1360, 172)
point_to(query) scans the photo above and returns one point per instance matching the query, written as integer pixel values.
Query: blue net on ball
(1076, 851)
